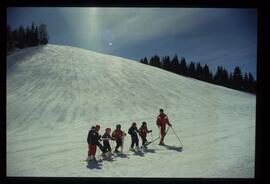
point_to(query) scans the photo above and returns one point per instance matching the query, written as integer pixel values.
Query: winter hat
(93, 128)
(107, 130)
(160, 110)
(97, 126)
(133, 124)
(144, 123)
(118, 126)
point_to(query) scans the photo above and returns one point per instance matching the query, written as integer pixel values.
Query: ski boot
(108, 154)
(137, 148)
(161, 144)
(90, 158)
(143, 147)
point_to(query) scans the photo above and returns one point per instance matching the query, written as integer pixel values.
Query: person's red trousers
(162, 133)
(92, 148)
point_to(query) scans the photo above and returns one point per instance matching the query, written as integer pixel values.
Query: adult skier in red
(162, 120)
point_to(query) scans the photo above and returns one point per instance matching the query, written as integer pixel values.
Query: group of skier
(134, 131)
(94, 139)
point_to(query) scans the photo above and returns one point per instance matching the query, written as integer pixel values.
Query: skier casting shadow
(118, 135)
(93, 139)
(162, 120)
(135, 140)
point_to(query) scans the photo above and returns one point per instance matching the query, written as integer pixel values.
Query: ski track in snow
(56, 93)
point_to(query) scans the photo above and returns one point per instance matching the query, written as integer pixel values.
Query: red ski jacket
(117, 134)
(162, 120)
(143, 131)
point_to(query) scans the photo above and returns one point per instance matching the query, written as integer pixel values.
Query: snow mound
(56, 93)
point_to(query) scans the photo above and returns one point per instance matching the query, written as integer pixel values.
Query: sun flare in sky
(213, 36)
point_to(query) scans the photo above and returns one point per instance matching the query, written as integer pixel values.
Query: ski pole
(152, 141)
(113, 145)
(166, 131)
(177, 137)
(159, 130)
(156, 138)
(98, 156)
(123, 140)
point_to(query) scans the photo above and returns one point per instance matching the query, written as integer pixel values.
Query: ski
(156, 138)
(123, 139)
(121, 155)
(146, 144)
(136, 150)
(107, 155)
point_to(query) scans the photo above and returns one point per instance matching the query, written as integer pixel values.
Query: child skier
(143, 133)
(106, 137)
(93, 141)
(134, 137)
(118, 135)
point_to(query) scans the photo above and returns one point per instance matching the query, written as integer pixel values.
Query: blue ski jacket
(133, 132)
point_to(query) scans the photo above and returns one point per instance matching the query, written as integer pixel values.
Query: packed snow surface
(56, 93)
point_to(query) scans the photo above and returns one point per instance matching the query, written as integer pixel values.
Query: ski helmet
(144, 123)
(118, 126)
(160, 110)
(93, 128)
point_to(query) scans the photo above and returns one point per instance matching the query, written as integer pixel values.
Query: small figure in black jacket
(143, 133)
(93, 139)
(134, 137)
(106, 137)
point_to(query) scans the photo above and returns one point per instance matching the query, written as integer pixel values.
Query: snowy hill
(56, 93)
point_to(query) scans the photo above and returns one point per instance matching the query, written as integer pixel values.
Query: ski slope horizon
(56, 93)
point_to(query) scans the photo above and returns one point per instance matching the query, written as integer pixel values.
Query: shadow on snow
(122, 155)
(94, 165)
(139, 153)
(109, 159)
(149, 150)
(175, 148)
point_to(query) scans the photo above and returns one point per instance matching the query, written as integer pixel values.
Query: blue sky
(213, 36)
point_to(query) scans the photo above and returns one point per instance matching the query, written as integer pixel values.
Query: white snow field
(56, 93)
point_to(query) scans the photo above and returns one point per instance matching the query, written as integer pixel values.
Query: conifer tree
(166, 63)
(9, 38)
(199, 71)
(191, 70)
(206, 73)
(21, 37)
(175, 64)
(237, 78)
(183, 66)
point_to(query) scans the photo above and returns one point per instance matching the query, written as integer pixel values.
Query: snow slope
(56, 93)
